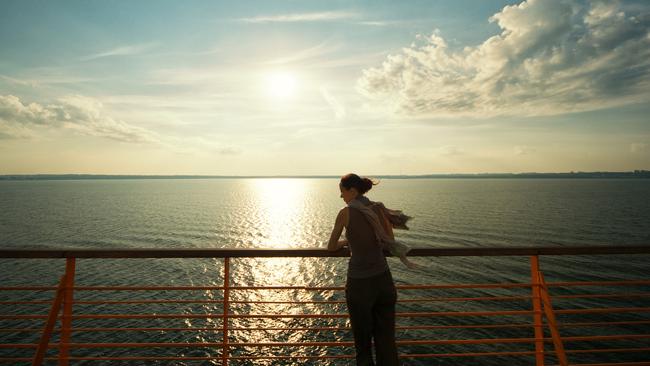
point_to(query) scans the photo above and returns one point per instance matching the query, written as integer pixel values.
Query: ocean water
(299, 213)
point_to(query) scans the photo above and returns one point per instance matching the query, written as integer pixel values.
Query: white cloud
(523, 150)
(638, 147)
(121, 51)
(551, 57)
(301, 17)
(305, 54)
(450, 150)
(337, 107)
(79, 113)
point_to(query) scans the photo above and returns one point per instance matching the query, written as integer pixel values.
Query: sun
(281, 85)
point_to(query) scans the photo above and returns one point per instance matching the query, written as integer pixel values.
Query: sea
(300, 213)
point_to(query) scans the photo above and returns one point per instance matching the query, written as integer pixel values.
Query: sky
(324, 87)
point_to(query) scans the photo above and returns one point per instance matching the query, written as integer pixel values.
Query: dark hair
(362, 185)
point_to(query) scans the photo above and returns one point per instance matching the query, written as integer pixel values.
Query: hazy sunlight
(281, 85)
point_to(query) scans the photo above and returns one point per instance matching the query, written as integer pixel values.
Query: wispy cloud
(520, 150)
(551, 57)
(382, 23)
(337, 107)
(450, 150)
(122, 51)
(82, 114)
(305, 54)
(325, 16)
(38, 77)
(638, 147)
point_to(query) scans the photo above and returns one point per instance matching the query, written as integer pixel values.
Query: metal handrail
(541, 312)
(316, 252)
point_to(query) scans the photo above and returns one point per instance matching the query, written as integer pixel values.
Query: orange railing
(536, 314)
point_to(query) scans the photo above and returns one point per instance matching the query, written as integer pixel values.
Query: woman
(369, 290)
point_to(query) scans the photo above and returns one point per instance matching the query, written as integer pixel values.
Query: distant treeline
(571, 175)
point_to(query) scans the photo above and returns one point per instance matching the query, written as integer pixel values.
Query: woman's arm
(341, 222)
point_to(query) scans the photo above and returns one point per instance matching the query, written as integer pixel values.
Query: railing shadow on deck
(552, 339)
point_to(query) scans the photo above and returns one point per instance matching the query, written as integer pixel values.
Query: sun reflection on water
(280, 210)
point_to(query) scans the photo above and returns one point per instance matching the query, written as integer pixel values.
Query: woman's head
(352, 185)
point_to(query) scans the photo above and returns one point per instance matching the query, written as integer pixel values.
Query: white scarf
(396, 248)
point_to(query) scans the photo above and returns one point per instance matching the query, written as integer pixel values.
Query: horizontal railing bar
(314, 252)
(608, 350)
(28, 288)
(147, 316)
(116, 302)
(316, 357)
(398, 315)
(296, 357)
(412, 300)
(197, 329)
(309, 288)
(146, 288)
(320, 316)
(605, 337)
(469, 354)
(602, 310)
(641, 363)
(170, 358)
(327, 316)
(125, 358)
(287, 302)
(401, 355)
(411, 342)
(119, 345)
(602, 324)
(598, 283)
(463, 286)
(601, 296)
(132, 302)
(398, 327)
(340, 288)
(431, 299)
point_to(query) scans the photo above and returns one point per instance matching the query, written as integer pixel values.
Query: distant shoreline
(637, 174)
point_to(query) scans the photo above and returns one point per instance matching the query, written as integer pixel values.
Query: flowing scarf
(383, 220)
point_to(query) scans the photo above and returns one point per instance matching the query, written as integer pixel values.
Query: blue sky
(298, 87)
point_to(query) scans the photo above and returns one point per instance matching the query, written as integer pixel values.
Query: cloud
(121, 51)
(228, 151)
(523, 150)
(450, 150)
(638, 147)
(301, 17)
(79, 113)
(551, 57)
(305, 54)
(337, 107)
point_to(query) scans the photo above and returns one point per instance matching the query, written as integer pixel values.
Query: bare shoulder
(343, 215)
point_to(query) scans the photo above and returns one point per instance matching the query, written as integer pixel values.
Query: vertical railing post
(226, 294)
(537, 308)
(39, 355)
(66, 319)
(552, 322)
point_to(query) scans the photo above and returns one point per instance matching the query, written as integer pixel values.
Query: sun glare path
(280, 206)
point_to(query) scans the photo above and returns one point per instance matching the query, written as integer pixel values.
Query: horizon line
(595, 174)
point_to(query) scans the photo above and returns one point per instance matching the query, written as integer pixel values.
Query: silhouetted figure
(370, 292)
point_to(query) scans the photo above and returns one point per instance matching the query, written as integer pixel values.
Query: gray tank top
(367, 259)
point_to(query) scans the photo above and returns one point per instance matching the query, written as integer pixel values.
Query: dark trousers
(371, 305)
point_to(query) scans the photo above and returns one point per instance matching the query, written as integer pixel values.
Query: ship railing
(552, 339)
